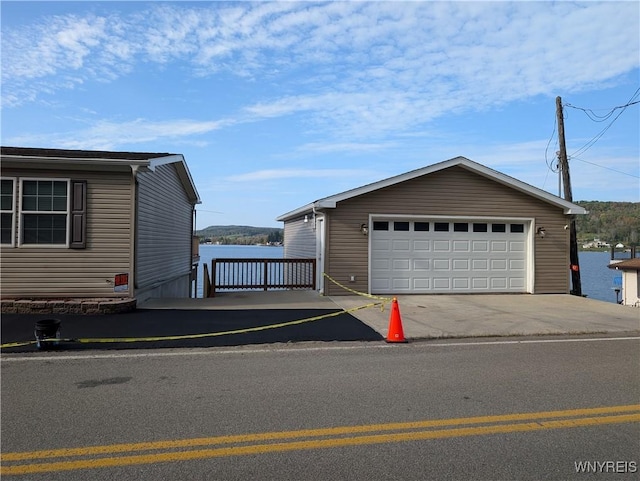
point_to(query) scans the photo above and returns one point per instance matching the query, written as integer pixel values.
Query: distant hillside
(610, 222)
(240, 235)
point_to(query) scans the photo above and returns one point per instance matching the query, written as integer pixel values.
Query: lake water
(596, 278)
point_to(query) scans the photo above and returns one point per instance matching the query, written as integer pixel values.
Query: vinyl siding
(164, 230)
(34, 272)
(299, 239)
(450, 192)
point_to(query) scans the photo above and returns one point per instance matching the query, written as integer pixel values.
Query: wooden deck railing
(263, 274)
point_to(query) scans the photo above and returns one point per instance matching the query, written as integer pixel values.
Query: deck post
(266, 273)
(212, 290)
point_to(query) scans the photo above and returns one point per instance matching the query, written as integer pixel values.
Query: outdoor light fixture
(306, 219)
(364, 229)
(541, 232)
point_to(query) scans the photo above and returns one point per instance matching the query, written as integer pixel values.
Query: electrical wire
(546, 150)
(598, 136)
(550, 166)
(601, 118)
(595, 118)
(608, 168)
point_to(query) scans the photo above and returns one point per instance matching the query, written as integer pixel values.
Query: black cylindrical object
(47, 329)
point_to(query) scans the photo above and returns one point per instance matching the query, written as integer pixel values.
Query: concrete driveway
(439, 316)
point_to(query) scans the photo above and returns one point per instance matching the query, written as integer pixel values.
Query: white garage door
(432, 256)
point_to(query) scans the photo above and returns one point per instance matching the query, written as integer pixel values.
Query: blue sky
(277, 104)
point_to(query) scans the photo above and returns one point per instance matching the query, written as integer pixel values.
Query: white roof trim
(75, 160)
(331, 201)
(136, 165)
(183, 171)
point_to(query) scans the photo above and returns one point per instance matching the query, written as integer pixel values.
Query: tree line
(612, 222)
(240, 235)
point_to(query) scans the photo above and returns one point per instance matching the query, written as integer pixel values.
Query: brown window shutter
(78, 234)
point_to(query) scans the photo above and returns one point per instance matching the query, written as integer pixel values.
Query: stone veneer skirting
(68, 306)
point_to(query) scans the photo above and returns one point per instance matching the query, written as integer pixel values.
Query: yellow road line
(546, 417)
(316, 444)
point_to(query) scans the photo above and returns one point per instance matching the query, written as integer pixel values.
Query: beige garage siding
(163, 250)
(300, 238)
(61, 272)
(451, 192)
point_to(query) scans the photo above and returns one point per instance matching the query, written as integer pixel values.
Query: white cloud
(360, 69)
(345, 147)
(106, 135)
(279, 174)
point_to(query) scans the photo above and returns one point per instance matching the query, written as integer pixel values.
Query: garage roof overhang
(331, 201)
(100, 160)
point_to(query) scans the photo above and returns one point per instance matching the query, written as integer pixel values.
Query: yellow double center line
(270, 442)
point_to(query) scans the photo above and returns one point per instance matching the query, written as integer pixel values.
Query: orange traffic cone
(396, 334)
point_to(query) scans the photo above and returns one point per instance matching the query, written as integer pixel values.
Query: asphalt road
(481, 410)
(170, 328)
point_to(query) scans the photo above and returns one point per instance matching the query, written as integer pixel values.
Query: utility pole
(566, 180)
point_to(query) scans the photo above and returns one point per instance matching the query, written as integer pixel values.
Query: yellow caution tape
(363, 294)
(192, 336)
(16, 344)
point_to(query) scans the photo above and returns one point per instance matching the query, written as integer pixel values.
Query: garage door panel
(498, 246)
(516, 265)
(401, 283)
(480, 246)
(461, 246)
(460, 283)
(401, 264)
(381, 245)
(476, 259)
(517, 246)
(421, 264)
(442, 283)
(381, 284)
(421, 283)
(480, 264)
(480, 283)
(441, 265)
(441, 246)
(460, 264)
(380, 264)
(498, 264)
(401, 245)
(498, 283)
(421, 246)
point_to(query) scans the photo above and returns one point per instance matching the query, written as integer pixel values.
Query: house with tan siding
(95, 224)
(630, 269)
(451, 227)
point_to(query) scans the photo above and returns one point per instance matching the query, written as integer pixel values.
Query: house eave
(19, 157)
(569, 208)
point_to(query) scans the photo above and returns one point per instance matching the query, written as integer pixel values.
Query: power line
(546, 150)
(608, 168)
(601, 118)
(592, 142)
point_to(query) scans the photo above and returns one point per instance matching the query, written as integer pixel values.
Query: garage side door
(440, 256)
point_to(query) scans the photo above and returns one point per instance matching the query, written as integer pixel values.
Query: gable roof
(628, 265)
(144, 161)
(331, 201)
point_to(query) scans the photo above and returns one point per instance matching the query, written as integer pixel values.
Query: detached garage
(453, 227)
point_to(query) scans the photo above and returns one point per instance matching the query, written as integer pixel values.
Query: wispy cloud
(279, 174)
(363, 68)
(107, 135)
